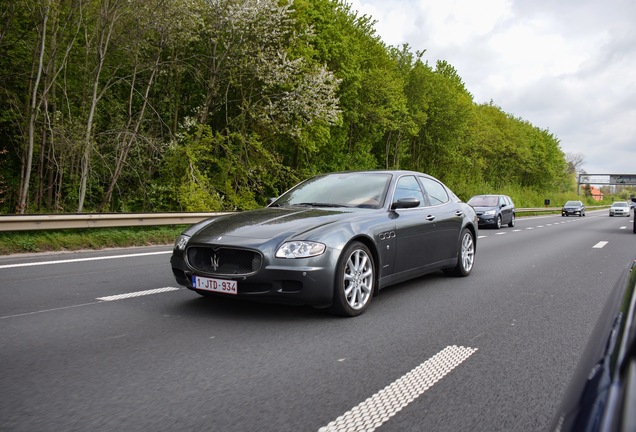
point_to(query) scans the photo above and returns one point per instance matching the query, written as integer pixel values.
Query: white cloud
(564, 66)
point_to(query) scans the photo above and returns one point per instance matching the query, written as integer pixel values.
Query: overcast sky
(566, 66)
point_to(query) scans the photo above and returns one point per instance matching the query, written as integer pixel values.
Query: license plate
(217, 285)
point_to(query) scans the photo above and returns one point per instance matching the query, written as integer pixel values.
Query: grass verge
(90, 238)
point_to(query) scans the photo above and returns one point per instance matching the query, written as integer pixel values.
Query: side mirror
(405, 203)
(270, 201)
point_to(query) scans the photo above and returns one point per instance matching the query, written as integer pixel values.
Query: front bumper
(567, 212)
(486, 220)
(619, 213)
(288, 281)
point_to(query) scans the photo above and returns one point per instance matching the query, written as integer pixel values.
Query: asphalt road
(106, 341)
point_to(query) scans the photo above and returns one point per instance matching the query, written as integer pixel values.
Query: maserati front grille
(223, 260)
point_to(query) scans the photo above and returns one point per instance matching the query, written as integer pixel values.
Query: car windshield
(366, 190)
(572, 203)
(484, 201)
(620, 204)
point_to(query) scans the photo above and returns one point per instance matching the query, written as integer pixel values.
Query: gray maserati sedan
(332, 241)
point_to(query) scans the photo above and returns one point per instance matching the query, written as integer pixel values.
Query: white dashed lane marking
(100, 300)
(379, 408)
(600, 245)
(137, 294)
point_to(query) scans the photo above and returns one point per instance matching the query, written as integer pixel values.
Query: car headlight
(181, 242)
(489, 213)
(300, 249)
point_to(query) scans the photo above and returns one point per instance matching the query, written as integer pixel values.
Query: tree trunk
(24, 192)
(105, 33)
(129, 139)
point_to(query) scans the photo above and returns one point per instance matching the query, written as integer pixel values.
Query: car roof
(395, 172)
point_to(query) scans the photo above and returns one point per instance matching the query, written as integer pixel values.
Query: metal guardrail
(110, 220)
(97, 220)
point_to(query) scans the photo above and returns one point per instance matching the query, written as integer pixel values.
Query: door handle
(430, 218)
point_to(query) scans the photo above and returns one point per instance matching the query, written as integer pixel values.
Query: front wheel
(465, 254)
(355, 279)
(498, 223)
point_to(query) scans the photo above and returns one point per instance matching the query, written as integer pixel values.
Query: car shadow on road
(230, 308)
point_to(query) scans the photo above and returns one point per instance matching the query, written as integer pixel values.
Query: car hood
(267, 223)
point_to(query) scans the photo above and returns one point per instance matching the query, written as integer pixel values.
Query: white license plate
(217, 285)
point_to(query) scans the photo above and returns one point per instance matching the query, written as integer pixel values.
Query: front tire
(465, 254)
(498, 223)
(355, 281)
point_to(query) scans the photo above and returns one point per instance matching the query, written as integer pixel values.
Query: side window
(436, 191)
(408, 187)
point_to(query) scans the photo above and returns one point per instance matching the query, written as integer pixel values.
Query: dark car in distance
(601, 395)
(573, 208)
(494, 210)
(332, 241)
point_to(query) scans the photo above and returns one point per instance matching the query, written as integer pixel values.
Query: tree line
(206, 105)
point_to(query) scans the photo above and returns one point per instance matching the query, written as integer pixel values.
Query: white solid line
(600, 245)
(137, 294)
(82, 259)
(379, 408)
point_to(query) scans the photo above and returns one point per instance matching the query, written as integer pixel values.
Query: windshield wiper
(319, 204)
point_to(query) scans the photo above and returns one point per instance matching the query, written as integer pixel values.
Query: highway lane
(169, 360)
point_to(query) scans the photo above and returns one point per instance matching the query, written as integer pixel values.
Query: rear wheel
(512, 221)
(355, 279)
(465, 254)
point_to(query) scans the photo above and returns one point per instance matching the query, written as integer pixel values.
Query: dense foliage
(189, 105)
